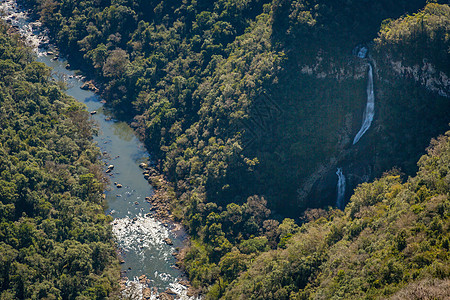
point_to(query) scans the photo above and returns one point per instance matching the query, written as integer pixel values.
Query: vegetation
(55, 240)
(197, 77)
(216, 91)
(423, 35)
(390, 235)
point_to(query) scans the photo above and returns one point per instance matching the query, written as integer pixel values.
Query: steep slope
(393, 237)
(55, 241)
(411, 106)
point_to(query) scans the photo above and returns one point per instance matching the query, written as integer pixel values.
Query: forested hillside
(391, 240)
(217, 90)
(55, 240)
(418, 38)
(250, 106)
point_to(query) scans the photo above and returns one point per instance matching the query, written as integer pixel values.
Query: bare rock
(190, 293)
(142, 279)
(89, 85)
(170, 292)
(185, 283)
(146, 293)
(164, 296)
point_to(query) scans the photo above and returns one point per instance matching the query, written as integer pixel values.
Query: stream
(140, 237)
(369, 112)
(368, 115)
(340, 199)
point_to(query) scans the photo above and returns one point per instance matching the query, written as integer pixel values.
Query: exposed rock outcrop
(90, 85)
(425, 74)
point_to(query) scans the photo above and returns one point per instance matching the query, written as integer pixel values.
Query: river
(140, 237)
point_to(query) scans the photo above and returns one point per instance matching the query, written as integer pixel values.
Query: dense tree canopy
(420, 36)
(55, 240)
(393, 237)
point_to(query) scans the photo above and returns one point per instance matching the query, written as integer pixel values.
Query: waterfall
(340, 189)
(370, 108)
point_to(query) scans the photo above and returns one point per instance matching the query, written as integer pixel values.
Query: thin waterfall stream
(369, 112)
(340, 199)
(368, 116)
(141, 238)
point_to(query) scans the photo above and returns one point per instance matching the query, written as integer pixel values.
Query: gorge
(139, 236)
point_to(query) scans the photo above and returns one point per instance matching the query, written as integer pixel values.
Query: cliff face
(425, 74)
(354, 69)
(411, 106)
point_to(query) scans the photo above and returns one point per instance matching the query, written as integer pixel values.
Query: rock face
(321, 69)
(425, 74)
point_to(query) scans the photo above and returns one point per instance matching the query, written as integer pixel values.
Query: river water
(139, 236)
